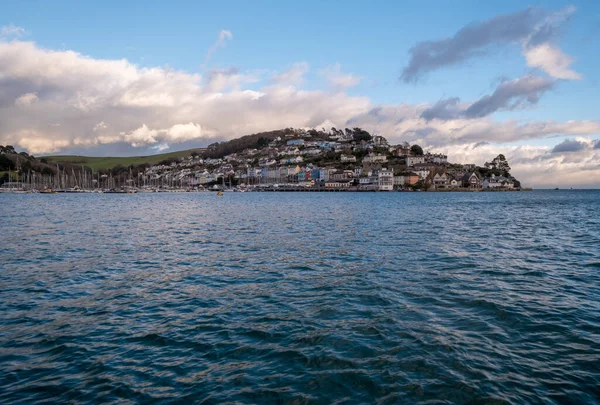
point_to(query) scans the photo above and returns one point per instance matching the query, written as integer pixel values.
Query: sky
(464, 78)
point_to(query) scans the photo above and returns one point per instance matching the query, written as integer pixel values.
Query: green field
(97, 163)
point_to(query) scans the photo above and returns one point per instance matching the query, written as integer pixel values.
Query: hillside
(107, 163)
(215, 150)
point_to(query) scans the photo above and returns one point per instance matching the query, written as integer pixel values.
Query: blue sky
(370, 41)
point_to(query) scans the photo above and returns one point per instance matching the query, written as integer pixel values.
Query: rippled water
(301, 298)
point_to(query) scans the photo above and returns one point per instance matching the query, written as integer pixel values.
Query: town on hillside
(283, 160)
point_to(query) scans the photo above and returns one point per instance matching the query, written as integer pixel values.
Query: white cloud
(11, 31)
(152, 107)
(293, 76)
(26, 100)
(337, 79)
(219, 80)
(36, 142)
(224, 36)
(100, 126)
(184, 132)
(178, 133)
(552, 61)
(141, 136)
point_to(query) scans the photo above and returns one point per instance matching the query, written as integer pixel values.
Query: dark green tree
(262, 142)
(360, 134)
(416, 150)
(499, 164)
(6, 163)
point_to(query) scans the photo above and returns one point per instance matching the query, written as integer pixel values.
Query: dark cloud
(531, 27)
(509, 95)
(446, 109)
(597, 146)
(478, 144)
(569, 146)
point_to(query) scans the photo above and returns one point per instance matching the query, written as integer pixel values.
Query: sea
(300, 298)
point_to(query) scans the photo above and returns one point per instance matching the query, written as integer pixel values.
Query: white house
(311, 152)
(413, 160)
(386, 180)
(400, 180)
(292, 160)
(422, 173)
(437, 158)
(497, 182)
(441, 180)
(348, 158)
(372, 158)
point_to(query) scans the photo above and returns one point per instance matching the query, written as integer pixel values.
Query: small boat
(220, 194)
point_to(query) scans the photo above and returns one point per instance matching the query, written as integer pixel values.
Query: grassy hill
(97, 163)
(216, 150)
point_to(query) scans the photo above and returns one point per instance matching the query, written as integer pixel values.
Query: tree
(359, 134)
(499, 164)
(418, 185)
(416, 150)
(8, 149)
(5, 163)
(47, 171)
(262, 142)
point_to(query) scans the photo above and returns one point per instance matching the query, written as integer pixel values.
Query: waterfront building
(386, 180)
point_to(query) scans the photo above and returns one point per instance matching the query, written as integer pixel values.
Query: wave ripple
(301, 298)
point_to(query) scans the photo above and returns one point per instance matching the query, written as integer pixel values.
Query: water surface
(301, 298)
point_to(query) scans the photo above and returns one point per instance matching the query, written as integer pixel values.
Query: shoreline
(267, 190)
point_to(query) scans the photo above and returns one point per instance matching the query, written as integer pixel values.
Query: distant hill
(215, 150)
(107, 163)
(255, 141)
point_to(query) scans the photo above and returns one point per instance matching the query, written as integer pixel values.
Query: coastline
(268, 189)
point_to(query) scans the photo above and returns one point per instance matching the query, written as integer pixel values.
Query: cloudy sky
(465, 78)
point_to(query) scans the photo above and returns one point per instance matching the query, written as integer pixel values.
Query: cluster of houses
(338, 162)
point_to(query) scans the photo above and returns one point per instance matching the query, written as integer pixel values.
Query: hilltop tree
(499, 164)
(8, 149)
(335, 131)
(5, 163)
(360, 134)
(416, 150)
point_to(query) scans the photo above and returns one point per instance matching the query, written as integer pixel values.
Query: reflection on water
(301, 298)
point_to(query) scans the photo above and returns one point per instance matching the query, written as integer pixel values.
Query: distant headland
(283, 160)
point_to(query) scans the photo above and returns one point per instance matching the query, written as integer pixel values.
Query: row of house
(384, 167)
